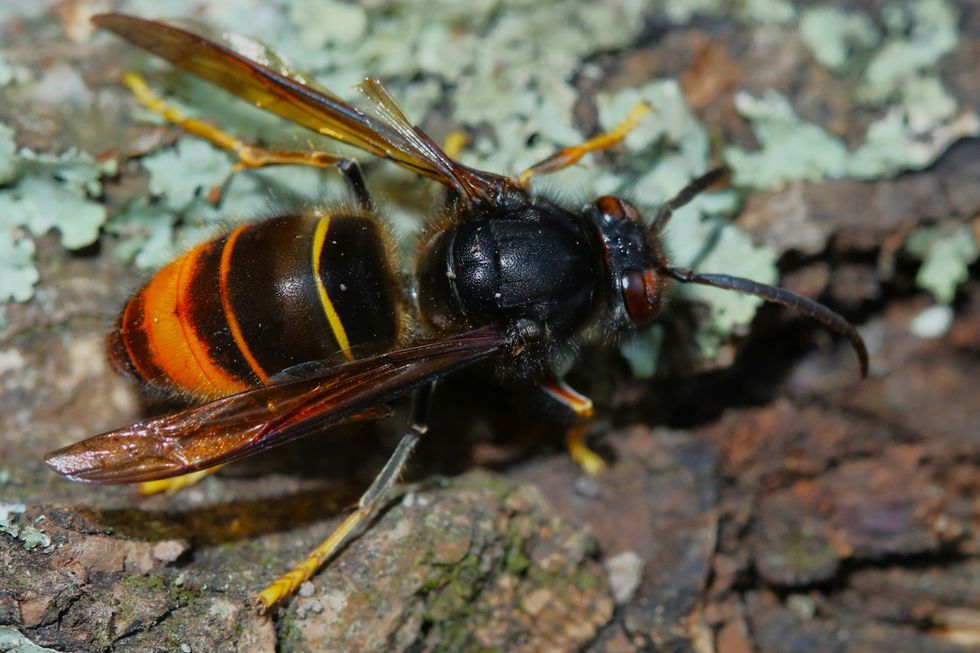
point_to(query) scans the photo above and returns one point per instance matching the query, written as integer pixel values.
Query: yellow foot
(173, 485)
(570, 155)
(455, 141)
(588, 461)
(289, 582)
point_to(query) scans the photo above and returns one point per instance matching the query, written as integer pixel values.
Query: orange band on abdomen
(173, 342)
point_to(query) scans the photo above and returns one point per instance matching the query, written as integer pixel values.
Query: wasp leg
(570, 155)
(173, 485)
(367, 508)
(685, 195)
(249, 156)
(589, 461)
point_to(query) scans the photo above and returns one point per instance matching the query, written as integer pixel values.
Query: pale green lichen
(922, 118)
(145, 233)
(38, 193)
(10, 163)
(6, 71)
(640, 351)
(891, 146)
(31, 537)
(12, 641)
(25, 10)
(518, 100)
(946, 252)
(919, 34)
(42, 203)
(18, 276)
(926, 104)
(919, 120)
(768, 12)
(833, 34)
(328, 22)
(760, 12)
(681, 11)
(911, 135)
(181, 173)
(791, 149)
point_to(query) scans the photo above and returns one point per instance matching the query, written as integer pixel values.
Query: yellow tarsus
(289, 582)
(135, 83)
(173, 485)
(455, 141)
(570, 155)
(589, 461)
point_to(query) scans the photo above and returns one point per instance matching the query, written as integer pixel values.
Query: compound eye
(614, 208)
(643, 295)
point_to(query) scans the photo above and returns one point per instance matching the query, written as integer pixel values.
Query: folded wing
(245, 423)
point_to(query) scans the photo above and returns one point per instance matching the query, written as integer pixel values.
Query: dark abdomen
(238, 309)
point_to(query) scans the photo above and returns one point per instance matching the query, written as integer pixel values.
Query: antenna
(776, 295)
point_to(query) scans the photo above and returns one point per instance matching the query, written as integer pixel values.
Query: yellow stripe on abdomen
(336, 325)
